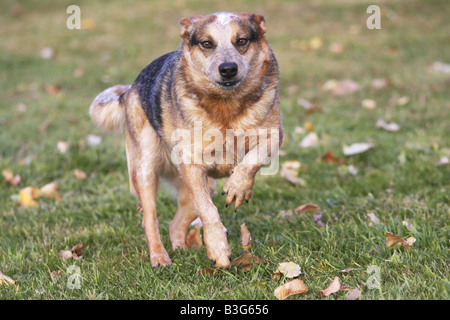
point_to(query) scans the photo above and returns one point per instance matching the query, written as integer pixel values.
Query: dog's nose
(228, 70)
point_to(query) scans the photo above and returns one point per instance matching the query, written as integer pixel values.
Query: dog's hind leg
(185, 215)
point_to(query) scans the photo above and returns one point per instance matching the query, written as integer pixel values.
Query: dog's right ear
(187, 26)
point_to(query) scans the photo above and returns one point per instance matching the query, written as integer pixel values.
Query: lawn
(50, 75)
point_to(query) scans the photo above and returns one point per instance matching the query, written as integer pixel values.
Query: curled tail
(107, 110)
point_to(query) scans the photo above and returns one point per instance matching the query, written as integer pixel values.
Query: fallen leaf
(50, 191)
(52, 89)
(443, 161)
(354, 294)
(393, 239)
(373, 219)
(408, 226)
(4, 279)
(247, 259)
(357, 148)
(318, 218)
(329, 157)
(65, 254)
(392, 126)
(194, 238)
(93, 140)
(289, 269)
(77, 253)
(79, 174)
(10, 177)
(307, 208)
(207, 271)
(55, 274)
(62, 146)
(336, 48)
(334, 287)
(380, 83)
(310, 140)
(441, 67)
(368, 104)
(87, 24)
(339, 88)
(402, 101)
(289, 170)
(196, 222)
(47, 53)
(246, 237)
(290, 288)
(27, 197)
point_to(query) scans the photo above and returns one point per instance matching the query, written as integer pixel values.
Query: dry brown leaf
(27, 197)
(290, 288)
(354, 294)
(334, 287)
(194, 238)
(246, 237)
(310, 140)
(77, 253)
(79, 174)
(289, 269)
(50, 191)
(307, 208)
(52, 89)
(65, 254)
(10, 177)
(394, 240)
(289, 171)
(4, 279)
(339, 88)
(246, 260)
(329, 157)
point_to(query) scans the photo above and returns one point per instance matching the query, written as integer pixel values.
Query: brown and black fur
(184, 87)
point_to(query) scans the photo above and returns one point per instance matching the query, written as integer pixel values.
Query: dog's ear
(185, 23)
(187, 27)
(258, 21)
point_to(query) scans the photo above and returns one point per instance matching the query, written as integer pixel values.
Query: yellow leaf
(27, 196)
(290, 288)
(289, 269)
(50, 191)
(10, 177)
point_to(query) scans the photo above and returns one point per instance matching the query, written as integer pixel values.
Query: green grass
(99, 212)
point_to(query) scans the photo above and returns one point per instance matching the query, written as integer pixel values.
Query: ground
(45, 99)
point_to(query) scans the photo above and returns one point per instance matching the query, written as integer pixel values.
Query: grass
(397, 180)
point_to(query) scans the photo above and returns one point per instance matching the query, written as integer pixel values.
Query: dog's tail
(107, 110)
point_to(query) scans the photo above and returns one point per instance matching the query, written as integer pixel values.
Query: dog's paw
(217, 246)
(160, 259)
(238, 188)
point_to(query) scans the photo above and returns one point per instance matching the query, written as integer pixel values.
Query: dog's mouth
(228, 85)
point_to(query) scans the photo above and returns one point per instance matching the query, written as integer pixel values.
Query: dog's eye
(242, 42)
(207, 44)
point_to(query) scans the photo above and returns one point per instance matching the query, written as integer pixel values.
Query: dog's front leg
(239, 185)
(214, 232)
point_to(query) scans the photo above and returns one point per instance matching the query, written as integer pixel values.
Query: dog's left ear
(258, 21)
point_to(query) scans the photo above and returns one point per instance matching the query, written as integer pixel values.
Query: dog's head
(225, 51)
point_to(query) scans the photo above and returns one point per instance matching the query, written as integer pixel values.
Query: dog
(223, 76)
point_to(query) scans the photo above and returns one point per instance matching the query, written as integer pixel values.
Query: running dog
(224, 76)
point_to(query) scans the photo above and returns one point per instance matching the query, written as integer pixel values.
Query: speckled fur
(183, 88)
